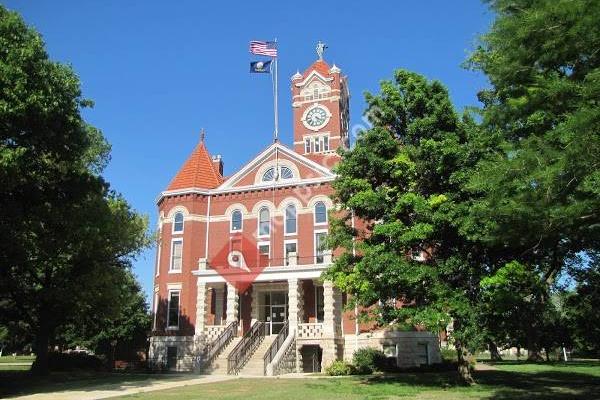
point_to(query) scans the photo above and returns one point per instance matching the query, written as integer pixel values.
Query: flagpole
(276, 138)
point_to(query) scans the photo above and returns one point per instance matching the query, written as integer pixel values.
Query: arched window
(178, 222)
(320, 213)
(264, 222)
(290, 219)
(286, 173)
(269, 175)
(236, 220)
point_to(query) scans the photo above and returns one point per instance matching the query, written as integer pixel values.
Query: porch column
(331, 304)
(200, 307)
(232, 304)
(329, 319)
(295, 303)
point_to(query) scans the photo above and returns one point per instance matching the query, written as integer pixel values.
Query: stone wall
(413, 348)
(187, 348)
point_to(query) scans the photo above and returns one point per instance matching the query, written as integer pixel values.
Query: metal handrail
(217, 346)
(275, 346)
(242, 352)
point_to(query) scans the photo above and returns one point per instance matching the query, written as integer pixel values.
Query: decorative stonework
(200, 308)
(328, 309)
(232, 304)
(295, 303)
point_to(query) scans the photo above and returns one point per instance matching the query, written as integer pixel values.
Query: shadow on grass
(19, 383)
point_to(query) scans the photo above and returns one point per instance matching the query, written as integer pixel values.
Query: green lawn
(511, 380)
(16, 359)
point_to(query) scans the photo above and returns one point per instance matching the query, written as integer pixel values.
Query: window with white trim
(307, 145)
(289, 248)
(178, 222)
(285, 173)
(173, 309)
(320, 213)
(236, 221)
(264, 222)
(176, 255)
(320, 247)
(290, 219)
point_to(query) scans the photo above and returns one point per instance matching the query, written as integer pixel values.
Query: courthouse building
(238, 285)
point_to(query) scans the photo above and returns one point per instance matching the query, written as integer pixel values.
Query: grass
(511, 380)
(16, 359)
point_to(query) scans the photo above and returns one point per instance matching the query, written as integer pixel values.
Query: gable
(302, 169)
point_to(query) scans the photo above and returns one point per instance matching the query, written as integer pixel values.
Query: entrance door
(273, 310)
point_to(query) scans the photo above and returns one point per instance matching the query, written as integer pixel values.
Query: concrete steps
(219, 366)
(255, 365)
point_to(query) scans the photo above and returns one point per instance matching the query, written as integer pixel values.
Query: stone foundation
(412, 348)
(188, 347)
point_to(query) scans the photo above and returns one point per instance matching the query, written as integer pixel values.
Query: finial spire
(321, 49)
(202, 135)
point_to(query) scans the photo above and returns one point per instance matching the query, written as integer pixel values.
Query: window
(264, 222)
(286, 173)
(320, 213)
(173, 309)
(325, 143)
(176, 255)
(307, 145)
(172, 358)
(423, 353)
(269, 175)
(178, 222)
(320, 247)
(264, 253)
(290, 219)
(317, 145)
(319, 303)
(154, 308)
(290, 247)
(236, 221)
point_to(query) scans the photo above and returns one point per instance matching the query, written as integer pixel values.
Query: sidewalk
(107, 390)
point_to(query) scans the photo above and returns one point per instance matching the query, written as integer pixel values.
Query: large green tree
(406, 178)
(542, 191)
(64, 235)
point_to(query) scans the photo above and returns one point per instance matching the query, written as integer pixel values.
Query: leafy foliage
(66, 238)
(368, 360)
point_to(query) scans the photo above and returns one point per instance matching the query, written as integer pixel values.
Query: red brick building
(239, 259)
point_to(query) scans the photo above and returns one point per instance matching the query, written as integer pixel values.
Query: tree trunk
(494, 353)
(464, 369)
(40, 365)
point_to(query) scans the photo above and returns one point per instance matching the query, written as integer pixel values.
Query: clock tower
(320, 100)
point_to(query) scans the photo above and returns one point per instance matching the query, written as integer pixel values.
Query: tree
(406, 178)
(65, 236)
(542, 190)
(582, 305)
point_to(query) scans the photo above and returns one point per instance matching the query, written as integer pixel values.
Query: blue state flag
(260, 67)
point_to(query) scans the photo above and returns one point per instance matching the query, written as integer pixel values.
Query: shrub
(368, 360)
(340, 368)
(72, 361)
(448, 354)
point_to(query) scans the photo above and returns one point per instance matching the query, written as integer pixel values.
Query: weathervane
(320, 49)
(202, 135)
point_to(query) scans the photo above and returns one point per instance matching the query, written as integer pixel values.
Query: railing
(287, 363)
(217, 346)
(246, 347)
(313, 330)
(275, 346)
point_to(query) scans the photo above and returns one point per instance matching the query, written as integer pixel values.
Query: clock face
(316, 117)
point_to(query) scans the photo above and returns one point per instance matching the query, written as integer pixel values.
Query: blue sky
(160, 71)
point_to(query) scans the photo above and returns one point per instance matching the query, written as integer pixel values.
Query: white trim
(309, 109)
(175, 209)
(155, 308)
(315, 232)
(231, 230)
(313, 73)
(314, 212)
(285, 242)
(228, 184)
(158, 254)
(171, 270)
(258, 234)
(308, 271)
(173, 231)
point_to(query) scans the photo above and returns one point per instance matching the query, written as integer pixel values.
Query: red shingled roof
(320, 66)
(197, 172)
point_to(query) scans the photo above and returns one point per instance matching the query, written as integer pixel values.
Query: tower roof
(320, 66)
(198, 171)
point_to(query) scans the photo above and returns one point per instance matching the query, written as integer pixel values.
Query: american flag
(263, 48)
